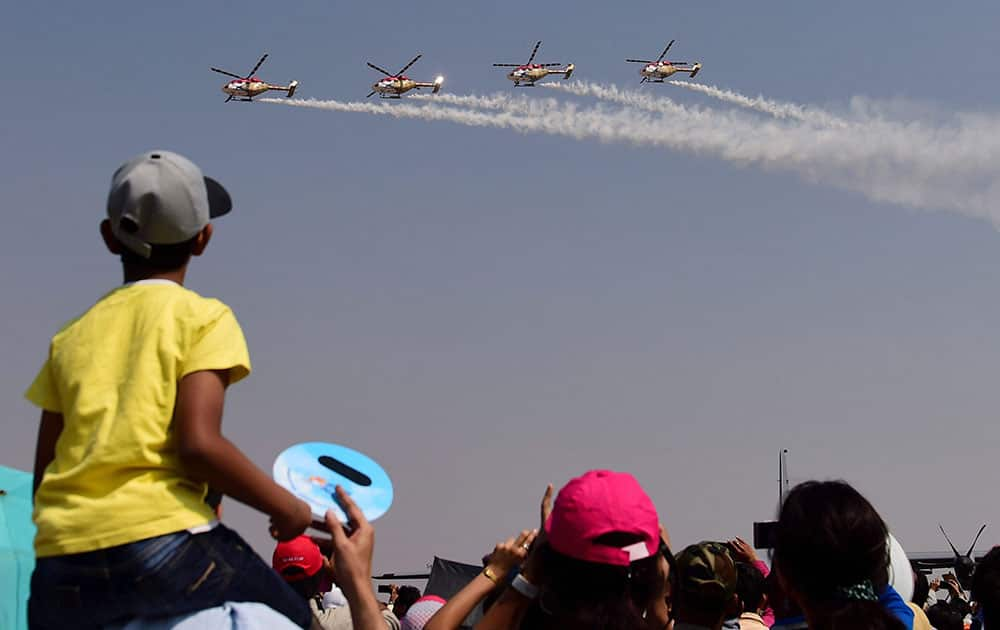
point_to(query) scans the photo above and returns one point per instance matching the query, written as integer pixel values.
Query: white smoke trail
(498, 100)
(943, 169)
(970, 143)
(614, 94)
(768, 106)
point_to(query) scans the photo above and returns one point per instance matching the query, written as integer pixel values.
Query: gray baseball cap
(162, 198)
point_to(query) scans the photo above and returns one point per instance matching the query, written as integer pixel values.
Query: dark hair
(580, 594)
(944, 616)
(865, 616)
(830, 538)
(921, 589)
(780, 601)
(986, 587)
(162, 257)
(405, 597)
(749, 586)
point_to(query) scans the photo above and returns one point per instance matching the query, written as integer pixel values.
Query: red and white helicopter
(395, 85)
(245, 88)
(528, 73)
(657, 71)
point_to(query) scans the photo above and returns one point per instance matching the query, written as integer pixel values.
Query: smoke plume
(947, 165)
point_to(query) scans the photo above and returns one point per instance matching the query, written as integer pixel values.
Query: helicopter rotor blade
(664, 53)
(407, 66)
(534, 52)
(949, 540)
(507, 65)
(255, 68)
(549, 65)
(968, 554)
(228, 74)
(229, 99)
(370, 94)
(373, 66)
(639, 61)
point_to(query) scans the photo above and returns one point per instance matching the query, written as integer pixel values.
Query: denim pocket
(150, 555)
(193, 576)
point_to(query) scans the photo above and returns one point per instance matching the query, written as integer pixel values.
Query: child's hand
(291, 522)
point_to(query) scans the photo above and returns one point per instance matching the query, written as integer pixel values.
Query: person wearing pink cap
(421, 612)
(599, 562)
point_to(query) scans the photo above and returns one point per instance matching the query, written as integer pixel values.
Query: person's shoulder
(69, 326)
(338, 618)
(197, 311)
(203, 302)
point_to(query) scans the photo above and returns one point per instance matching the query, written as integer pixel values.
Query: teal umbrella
(17, 553)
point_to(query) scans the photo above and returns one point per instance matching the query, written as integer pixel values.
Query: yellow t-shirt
(113, 374)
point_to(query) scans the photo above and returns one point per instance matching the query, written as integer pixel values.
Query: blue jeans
(162, 576)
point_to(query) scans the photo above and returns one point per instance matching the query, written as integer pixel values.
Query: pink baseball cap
(421, 612)
(599, 503)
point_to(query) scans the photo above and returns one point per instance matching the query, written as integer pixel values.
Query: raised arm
(506, 555)
(353, 565)
(510, 609)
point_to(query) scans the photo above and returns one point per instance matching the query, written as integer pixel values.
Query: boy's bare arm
(49, 429)
(207, 455)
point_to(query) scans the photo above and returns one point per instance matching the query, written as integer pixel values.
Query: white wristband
(524, 587)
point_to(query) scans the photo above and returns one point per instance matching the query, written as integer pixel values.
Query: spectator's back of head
(944, 616)
(299, 561)
(421, 612)
(864, 618)
(750, 587)
(405, 597)
(831, 551)
(602, 558)
(158, 207)
(921, 588)
(706, 584)
(986, 587)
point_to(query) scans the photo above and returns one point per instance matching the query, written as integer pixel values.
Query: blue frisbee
(312, 470)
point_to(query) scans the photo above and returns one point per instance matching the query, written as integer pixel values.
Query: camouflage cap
(706, 576)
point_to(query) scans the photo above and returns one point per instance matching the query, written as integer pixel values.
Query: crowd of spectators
(131, 465)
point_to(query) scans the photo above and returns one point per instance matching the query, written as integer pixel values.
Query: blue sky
(484, 311)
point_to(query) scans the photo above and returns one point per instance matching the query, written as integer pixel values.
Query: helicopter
(529, 73)
(657, 71)
(395, 85)
(249, 86)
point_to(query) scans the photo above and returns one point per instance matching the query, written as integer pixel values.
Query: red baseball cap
(299, 552)
(599, 503)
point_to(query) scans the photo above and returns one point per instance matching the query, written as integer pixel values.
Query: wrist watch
(524, 587)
